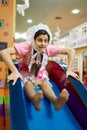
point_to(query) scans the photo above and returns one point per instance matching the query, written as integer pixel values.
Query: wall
(8, 15)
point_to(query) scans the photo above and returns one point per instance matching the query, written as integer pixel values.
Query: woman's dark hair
(41, 32)
(36, 67)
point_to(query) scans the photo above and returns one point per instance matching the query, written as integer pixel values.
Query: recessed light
(29, 20)
(75, 11)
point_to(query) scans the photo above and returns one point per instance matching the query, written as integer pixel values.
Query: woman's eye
(40, 40)
(46, 41)
(43, 40)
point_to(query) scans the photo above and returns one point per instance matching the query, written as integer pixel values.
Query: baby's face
(41, 43)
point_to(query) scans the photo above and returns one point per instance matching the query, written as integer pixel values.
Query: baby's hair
(41, 32)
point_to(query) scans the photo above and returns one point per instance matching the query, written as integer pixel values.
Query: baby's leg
(34, 97)
(57, 101)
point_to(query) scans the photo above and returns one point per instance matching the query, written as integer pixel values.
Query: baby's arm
(6, 56)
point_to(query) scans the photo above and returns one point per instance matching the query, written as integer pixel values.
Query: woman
(34, 55)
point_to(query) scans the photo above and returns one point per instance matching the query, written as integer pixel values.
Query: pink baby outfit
(24, 50)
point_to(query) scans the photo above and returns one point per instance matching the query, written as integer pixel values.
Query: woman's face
(41, 42)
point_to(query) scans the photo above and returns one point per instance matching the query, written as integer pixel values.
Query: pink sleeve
(22, 48)
(53, 50)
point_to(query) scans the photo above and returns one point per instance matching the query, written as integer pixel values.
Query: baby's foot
(61, 100)
(36, 100)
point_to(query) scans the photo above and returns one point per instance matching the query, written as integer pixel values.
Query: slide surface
(25, 117)
(77, 102)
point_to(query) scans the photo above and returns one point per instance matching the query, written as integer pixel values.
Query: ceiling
(46, 11)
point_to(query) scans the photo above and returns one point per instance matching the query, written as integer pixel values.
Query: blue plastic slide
(25, 117)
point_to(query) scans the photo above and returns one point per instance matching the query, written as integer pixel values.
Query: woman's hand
(14, 76)
(71, 73)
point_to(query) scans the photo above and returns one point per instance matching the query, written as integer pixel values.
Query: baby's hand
(14, 76)
(71, 73)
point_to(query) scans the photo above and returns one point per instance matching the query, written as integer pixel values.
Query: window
(1, 23)
(3, 2)
(75, 65)
(3, 45)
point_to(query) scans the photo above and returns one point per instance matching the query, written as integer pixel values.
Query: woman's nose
(43, 42)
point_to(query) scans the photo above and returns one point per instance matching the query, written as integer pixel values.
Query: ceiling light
(29, 20)
(23, 35)
(20, 36)
(75, 11)
(17, 35)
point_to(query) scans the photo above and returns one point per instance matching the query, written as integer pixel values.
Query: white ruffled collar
(44, 60)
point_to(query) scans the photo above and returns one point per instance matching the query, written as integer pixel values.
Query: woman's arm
(6, 56)
(71, 54)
